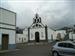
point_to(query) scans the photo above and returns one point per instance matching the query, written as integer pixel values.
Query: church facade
(37, 32)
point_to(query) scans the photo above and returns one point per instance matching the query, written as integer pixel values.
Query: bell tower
(37, 19)
(37, 32)
(37, 22)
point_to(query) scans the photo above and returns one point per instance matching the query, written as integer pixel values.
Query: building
(22, 37)
(37, 32)
(7, 29)
(72, 34)
(60, 34)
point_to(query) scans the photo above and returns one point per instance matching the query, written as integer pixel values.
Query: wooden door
(5, 39)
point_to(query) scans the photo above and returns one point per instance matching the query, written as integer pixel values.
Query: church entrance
(37, 36)
(5, 38)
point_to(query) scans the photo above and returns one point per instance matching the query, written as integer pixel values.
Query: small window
(39, 25)
(37, 20)
(24, 38)
(19, 38)
(36, 25)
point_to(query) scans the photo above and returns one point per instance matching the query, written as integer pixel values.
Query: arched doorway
(37, 36)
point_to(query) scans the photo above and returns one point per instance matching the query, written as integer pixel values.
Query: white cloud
(54, 13)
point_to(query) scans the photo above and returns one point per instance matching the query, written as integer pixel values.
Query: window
(31, 35)
(39, 25)
(65, 45)
(42, 34)
(24, 38)
(34, 20)
(37, 20)
(36, 25)
(70, 45)
(60, 44)
(19, 38)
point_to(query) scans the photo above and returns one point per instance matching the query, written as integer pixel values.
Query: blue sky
(54, 13)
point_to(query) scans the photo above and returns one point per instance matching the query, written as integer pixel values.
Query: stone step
(23, 45)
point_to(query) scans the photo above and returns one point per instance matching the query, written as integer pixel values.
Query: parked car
(64, 48)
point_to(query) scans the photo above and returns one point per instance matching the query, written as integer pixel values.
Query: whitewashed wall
(71, 35)
(7, 23)
(7, 16)
(41, 32)
(7, 26)
(62, 32)
(11, 34)
(22, 38)
(51, 32)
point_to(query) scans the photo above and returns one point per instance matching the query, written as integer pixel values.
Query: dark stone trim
(7, 24)
(33, 41)
(35, 23)
(15, 26)
(31, 25)
(28, 34)
(7, 10)
(46, 33)
(37, 27)
(43, 41)
(7, 28)
(43, 24)
(11, 46)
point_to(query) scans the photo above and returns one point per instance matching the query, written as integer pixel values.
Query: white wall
(71, 35)
(51, 32)
(7, 26)
(7, 16)
(11, 34)
(62, 32)
(7, 21)
(41, 32)
(22, 38)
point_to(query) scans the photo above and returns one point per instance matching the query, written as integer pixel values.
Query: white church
(37, 32)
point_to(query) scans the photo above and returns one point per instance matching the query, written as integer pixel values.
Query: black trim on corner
(7, 24)
(7, 10)
(28, 34)
(33, 41)
(8, 28)
(46, 33)
(15, 26)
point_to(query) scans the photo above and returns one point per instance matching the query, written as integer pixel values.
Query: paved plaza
(30, 50)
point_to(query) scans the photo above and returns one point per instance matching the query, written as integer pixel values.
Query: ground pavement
(30, 50)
